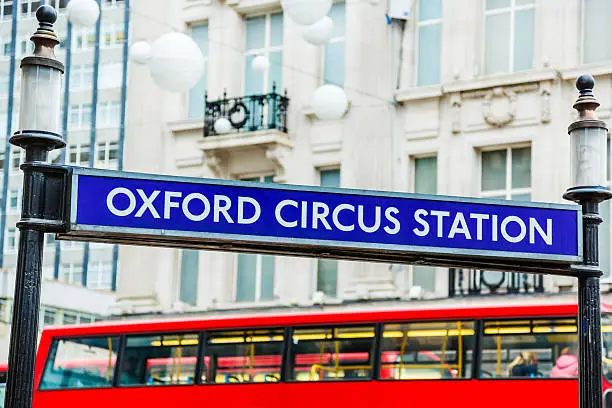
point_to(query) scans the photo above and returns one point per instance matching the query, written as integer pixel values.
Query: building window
(199, 33)
(14, 201)
(109, 114)
(112, 36)
(506, 173)
(70, 318)
(78, 155)
(11, 239)
(188, 285)
(425, 181)
(71, 273)
(429, 42)
(255, 272)
(333, 51)
(100, 275)
(112, 3)
(6, 8)
(50, 240)
(596, 30)
(49, 316)
(17, 158)
(426, 175)
(509, 35)
(79, 116)
(83, 38)
(327, 269)
(81, 76)
(264, 36)
(107, 155)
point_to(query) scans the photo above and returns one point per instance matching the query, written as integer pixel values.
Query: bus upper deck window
(525, 348)
(159, 359)
(87, 362)
(427, 350)
(332, 353)
(243, 356)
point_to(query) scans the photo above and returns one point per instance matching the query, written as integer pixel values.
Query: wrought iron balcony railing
(470, 282)
(248, 113)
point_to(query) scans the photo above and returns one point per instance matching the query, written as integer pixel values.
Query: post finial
(46, 16)
(586, 102)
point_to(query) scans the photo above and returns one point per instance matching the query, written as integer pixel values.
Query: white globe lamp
(306, 12)
(260, 64)
(140, 52)
(329, 102)
(176, 62)
(320, 32)
(223, 126)
(83, 13)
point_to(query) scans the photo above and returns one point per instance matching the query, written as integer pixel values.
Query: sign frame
(437, 256)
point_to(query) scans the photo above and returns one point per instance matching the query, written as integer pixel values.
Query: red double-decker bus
(462, 357)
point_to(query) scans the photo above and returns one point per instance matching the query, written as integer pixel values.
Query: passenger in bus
(524, 365)
(567, 364)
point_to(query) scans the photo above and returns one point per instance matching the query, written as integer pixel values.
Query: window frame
(258, 269)
(478, 329)
(265, 51)
(68, 338)
(513, 8)
(583, 37)
(508, 191)
(417, 29)
(98, 269)
(335, 40)
(315, 264)
(14, 232)
(530, 318)
(374, 352)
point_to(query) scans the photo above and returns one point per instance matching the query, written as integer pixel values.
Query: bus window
(530, 348)
(80, 363)
(427, 350)
(332, 354)
(243, 356)
(159, 360)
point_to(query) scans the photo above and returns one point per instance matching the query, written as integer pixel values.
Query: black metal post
(588, 195)
(37, 203)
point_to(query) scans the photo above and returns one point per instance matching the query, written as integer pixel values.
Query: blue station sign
(288, 219)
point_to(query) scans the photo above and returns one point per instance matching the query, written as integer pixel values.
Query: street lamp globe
(320, 32)
(140, 52)
(306, 12)
(41, 82)
(588, 140)
(176, 62)
(83, 13)
(329, 102)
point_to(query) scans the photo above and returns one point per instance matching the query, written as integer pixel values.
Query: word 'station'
(261, 212)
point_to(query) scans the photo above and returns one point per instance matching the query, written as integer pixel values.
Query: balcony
(258, 134)
(470, 282)
(248, 113)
